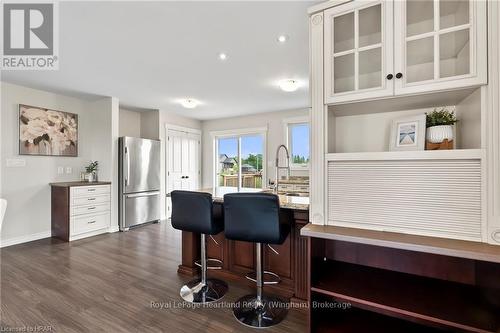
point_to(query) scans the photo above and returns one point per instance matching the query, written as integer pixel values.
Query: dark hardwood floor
(111, 283)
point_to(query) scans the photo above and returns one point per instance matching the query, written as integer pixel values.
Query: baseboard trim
(113, 229)
(25, 239)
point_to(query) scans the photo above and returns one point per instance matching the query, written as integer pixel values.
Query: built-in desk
(402, 283)
(291, 262)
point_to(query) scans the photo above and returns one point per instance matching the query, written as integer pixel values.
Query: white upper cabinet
(358, 51)
(439, 44)
(377, 49)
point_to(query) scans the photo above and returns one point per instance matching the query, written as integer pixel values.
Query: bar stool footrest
(217, 265)
(267, 277)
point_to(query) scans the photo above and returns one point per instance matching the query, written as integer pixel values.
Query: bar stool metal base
(195, 292)
(269, 312)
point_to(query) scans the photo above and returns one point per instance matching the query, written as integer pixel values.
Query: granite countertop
(287, 202)
(78, 183)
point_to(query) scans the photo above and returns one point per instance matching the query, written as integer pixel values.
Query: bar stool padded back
(254, 217)
(193, 211)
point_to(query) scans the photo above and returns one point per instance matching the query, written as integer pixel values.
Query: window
(298, 144)
(240, 157)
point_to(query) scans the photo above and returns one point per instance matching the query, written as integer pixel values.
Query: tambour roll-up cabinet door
(440, 198)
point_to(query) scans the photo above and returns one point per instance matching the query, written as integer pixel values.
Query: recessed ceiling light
(282, 38)
(289, 85)
(222, 56)
(189, 103)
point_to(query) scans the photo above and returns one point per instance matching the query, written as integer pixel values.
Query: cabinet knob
(389, 76)
(399, 75)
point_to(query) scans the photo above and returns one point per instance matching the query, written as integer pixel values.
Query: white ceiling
(150, 54)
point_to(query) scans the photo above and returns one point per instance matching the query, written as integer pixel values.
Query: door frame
(187, 130)
(214, 135)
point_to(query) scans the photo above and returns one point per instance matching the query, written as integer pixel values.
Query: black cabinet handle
(183, 177)
(187, 177)
(389, 76)
(399, 75)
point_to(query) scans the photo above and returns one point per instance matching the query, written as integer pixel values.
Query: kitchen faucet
(279, 167)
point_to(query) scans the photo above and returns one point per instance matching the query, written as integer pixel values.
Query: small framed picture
(408, 133)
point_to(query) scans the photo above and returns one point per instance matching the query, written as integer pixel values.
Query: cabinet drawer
(80, 201)
(301, 188)
(88, 223)
(83, 191)
(90, 209)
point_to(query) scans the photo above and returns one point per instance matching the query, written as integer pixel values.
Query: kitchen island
(289, 260)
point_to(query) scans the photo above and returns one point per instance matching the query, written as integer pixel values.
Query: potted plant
(91, 170)
(440, 125)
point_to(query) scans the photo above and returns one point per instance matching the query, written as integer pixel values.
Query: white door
(359, 51)
(439, 44)
(190, 162)
(183, 162)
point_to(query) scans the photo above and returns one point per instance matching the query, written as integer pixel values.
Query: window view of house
(298, 139)
(251, 161)
(249, 156)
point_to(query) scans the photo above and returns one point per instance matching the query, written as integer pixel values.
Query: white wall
(275, 136)
(130, 123)
(27, 188)
(139, 124)
(104, 114)
(166, 117)
(150, 128)
(367, 132)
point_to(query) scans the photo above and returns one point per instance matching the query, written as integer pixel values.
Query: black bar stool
(194, 211)
(255, 217)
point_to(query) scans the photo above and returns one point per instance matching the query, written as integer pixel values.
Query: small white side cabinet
(80, 210)
(377, 49)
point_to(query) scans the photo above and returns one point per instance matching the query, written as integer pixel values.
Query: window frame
(238, 134)
(288, 139)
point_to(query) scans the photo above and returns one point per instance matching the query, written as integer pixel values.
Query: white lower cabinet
(90, 208)
(80, 211)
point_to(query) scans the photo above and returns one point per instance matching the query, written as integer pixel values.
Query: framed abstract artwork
(47, 132)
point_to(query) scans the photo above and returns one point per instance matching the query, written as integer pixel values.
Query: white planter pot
(437, 134)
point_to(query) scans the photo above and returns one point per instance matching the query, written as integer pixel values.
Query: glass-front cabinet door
(358, 51)
(439, 44)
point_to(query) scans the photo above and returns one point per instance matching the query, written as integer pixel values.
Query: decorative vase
(437, 134)
(92, 177)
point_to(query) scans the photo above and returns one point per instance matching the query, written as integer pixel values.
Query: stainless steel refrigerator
(139, 172)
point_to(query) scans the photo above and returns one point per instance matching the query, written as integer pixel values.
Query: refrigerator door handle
(136, 195)
(127, 180)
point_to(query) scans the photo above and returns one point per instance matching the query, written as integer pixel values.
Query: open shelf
(367, 126)
(413, 298)
(354, 320)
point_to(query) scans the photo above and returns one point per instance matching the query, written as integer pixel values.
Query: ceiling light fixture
(222, 56)
(189, 103)
(289, 85)
(282, 38)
